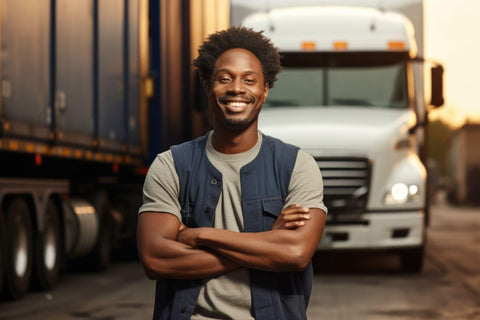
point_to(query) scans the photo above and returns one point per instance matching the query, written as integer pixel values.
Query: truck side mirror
(437, 86)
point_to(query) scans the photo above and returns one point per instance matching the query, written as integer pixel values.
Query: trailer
(90, 91)
(351, 95)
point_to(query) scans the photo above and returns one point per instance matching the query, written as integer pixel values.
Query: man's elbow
(297, 259)
(150, 273)
(148, 267)
(154, 268)
(302, 259)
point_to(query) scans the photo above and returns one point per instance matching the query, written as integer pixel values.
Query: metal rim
(50, 248)
(20, 247)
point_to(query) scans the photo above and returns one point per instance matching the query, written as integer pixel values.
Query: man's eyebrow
(225, 70)
(222, 70)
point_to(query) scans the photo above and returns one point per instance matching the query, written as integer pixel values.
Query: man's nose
(236, 86)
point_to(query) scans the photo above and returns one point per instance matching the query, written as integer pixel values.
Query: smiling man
(231, 220)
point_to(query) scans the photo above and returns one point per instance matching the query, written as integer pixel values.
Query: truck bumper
(375, 231)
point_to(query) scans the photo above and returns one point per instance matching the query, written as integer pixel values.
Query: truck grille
(346, 184)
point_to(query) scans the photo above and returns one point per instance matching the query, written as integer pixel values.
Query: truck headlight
(400, 193)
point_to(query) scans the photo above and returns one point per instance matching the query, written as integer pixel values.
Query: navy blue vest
(264, 183)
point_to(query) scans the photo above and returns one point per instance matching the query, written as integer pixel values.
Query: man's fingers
(295, 217)
(294, 209)
(294, 224)
(292, 217)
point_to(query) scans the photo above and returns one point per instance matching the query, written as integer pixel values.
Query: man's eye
(249, 81)
(224, 79)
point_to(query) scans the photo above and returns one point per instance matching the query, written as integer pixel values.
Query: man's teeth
(237, 104)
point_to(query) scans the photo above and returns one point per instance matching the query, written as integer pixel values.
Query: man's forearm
(179, 261)
(275, 250)
(163, 257)
(270, 250)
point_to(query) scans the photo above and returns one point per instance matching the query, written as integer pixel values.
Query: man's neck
(228, 142)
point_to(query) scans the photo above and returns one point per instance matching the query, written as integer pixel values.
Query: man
(231, 220)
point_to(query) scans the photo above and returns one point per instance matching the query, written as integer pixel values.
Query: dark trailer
(91, 90)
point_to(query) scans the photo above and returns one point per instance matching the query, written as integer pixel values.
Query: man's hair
(239, 37)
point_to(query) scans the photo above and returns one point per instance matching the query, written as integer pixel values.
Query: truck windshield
(341, 79)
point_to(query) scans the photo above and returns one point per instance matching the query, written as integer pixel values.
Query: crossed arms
(168, 249)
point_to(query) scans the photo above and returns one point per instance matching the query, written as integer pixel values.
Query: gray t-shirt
(228, 296)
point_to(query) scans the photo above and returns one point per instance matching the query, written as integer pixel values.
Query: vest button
(208, 209)
(213, 181)
(183, 310)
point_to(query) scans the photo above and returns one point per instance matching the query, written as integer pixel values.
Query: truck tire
(19, 251)
(48, 250)
(412, 259)
(2, 249)
(102, 253)
(100, 257)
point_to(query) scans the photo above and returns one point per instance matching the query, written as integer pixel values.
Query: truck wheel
(19, 253)
(48, 251)
(100, 257)
(2, 249)
(102, 253)
(412, 259)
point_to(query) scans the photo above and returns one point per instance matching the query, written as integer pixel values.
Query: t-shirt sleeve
(306, 183)
(161, 187)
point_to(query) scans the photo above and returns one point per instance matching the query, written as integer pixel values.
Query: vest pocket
(272, 207)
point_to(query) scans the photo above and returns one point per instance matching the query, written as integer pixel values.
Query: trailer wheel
(100, 257)
(2, 249)
(19, 252)
(102, 253)
(48, 251)
(412, 259)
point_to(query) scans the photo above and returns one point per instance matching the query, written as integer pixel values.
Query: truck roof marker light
(308, 45)
(396, 45)
(340, 45)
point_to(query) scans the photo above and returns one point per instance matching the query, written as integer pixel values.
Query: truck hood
(338, 131)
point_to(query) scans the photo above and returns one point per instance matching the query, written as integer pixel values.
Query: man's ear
(265, 92)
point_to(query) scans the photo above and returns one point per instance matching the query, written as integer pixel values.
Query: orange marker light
(340, 45)
(308, 45)
(396, 45)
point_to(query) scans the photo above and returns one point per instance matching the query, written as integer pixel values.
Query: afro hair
(239, 37)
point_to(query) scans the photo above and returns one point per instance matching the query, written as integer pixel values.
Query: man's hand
(292, 217)
(188, 236)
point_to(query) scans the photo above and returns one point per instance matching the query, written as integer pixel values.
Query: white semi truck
(351, 95)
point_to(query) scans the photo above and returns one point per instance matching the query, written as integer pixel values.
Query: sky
(452, 37)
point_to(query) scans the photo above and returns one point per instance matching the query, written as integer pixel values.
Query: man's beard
(237, 124)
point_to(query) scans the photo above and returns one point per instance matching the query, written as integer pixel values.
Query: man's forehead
(238, 57)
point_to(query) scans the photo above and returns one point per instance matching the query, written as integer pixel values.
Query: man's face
(237, 90)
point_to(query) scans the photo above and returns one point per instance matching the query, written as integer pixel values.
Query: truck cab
(347, 96)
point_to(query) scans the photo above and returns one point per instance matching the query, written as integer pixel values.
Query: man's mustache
(224, 99)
